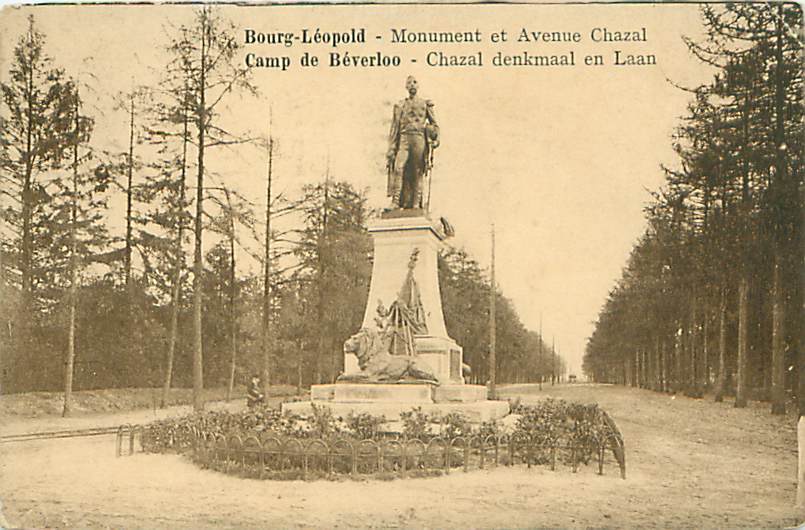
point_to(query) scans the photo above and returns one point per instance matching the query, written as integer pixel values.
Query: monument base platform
(477, 412)
(390, 400)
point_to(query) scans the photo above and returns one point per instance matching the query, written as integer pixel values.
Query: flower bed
(267, 444)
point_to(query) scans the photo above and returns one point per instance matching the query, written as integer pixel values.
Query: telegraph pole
(492, 372)
(266, 322)
(553, 362)
(539, 352)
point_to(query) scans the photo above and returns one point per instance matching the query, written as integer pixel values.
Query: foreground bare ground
(691, 464)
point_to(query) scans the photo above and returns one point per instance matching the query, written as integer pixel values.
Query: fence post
(119, 441)
(262, 461)
(132, 431)
(553, 455)
(573, 455)
(381, 450)
(600, 459)
(404, 455)
(528, 450)
(446, 458)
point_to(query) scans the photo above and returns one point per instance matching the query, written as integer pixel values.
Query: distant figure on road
(254, 396)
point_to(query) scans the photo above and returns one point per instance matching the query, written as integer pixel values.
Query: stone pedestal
(390, 400)
(395, 239)
(396, 236)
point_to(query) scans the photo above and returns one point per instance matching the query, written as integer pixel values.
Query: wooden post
(267, 274)
(539, 355)
(553, 362)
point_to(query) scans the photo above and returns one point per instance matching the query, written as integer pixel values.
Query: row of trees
(84, 307)
(711, 298)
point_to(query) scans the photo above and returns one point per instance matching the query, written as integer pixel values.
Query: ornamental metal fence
(271, 455)
(274, 456)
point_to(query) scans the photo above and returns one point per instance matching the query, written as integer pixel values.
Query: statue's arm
(431, 118)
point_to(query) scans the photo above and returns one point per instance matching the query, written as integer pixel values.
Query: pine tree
(205, 54)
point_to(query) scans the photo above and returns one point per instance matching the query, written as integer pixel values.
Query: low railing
(273, 456)
(127, 432)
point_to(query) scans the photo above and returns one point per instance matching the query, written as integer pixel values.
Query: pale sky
(559, 158)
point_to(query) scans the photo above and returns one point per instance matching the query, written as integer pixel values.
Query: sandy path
(16, 425)
(691, 464)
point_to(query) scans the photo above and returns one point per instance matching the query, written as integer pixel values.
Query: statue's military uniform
(413, 133)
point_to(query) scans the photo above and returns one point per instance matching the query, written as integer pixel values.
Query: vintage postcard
(401, 265)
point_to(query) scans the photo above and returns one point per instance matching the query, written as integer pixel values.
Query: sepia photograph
(402, 265)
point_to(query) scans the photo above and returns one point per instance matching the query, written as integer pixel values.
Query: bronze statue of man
(413, 136)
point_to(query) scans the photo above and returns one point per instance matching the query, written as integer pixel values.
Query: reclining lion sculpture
(378, 365)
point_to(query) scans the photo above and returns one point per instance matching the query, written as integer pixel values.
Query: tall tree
(35, 125)
(332, 250)
(733, 201)
(206, 53)
(82, 204)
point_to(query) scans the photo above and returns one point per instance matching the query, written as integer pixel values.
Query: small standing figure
(413, 137)
(254, 397)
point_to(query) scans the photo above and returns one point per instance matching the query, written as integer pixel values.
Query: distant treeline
(711, 298)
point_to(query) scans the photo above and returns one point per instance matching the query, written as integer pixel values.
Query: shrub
(363, 425)
(571, 432)
(489, 428)
(454, 425)
(416, 424)
(322, 424)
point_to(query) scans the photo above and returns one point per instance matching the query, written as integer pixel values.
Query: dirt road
(691, 464)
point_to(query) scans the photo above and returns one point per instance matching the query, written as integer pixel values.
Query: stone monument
(402, 357)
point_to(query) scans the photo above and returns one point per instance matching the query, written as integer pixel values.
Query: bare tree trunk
(70, 361)
(492, 323)
(678, 379)
(26, 265)
(782, 195)
(721, 382)
(299, 368)
(198, 266)
(705, 361)
(175, 302)
(743, 339)
(801, 461)
(646, 368)
(778, 339)
(655, 365)
(176, 292)
(693, 345)
(233, 296)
